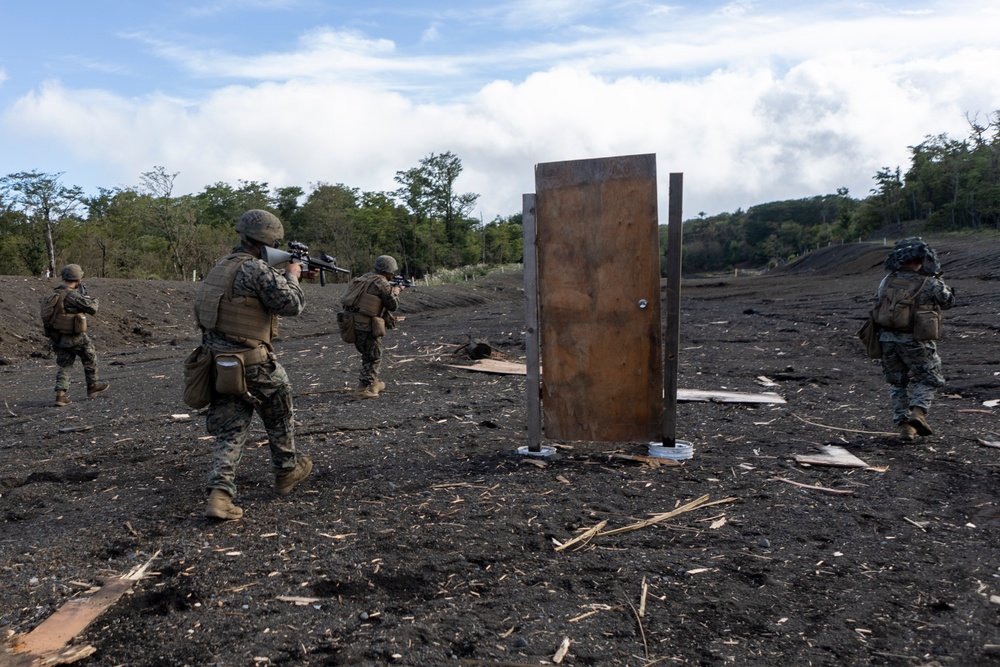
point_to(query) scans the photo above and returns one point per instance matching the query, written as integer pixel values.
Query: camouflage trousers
(913, 371)
(229, 420)
(66, 357)
(370, 348)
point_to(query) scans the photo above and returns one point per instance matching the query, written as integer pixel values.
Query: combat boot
(907, 433)
(284, 482)
(96, 388)
(378, 386)
(62, 399)
(365, 391)
(918, 420)
(220, 506)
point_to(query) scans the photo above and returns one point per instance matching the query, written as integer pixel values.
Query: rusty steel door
(598, 282)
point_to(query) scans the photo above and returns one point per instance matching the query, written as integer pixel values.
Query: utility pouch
(345, 322)
(67, 323)
(378, 327)
(198, 378)
(926, 325)
(230, 380)
(869, 338)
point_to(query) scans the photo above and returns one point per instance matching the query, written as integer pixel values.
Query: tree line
(950, 185)
(146, 231)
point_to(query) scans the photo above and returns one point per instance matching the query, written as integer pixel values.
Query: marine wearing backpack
(908, 308)
(64, 317)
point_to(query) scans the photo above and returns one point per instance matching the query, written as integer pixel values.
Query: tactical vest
(241, 318)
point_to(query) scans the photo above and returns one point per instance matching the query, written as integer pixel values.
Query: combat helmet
(386, 264)
(72, 272)
(910, 249)
(260, 225)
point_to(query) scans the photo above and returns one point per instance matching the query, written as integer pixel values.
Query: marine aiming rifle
(298, 253)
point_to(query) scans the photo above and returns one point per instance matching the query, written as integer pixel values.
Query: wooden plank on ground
(832, 455)
(689, 395)
(47, 643)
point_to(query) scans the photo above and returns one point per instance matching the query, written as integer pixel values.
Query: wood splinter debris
(561, 653)
(824, 489)
(48, 643)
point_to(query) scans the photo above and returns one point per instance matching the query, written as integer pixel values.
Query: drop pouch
(378, 327)
(230, 379)
(869, 338)
(345, 322)
(198, 378)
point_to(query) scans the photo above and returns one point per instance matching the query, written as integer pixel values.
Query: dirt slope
(423, 539)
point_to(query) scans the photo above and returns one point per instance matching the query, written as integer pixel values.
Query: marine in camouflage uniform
(256, 286)
(68, 346)
(911, 367)
(365, 341)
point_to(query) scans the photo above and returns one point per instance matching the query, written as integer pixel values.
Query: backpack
(54, 315)
(895, 310)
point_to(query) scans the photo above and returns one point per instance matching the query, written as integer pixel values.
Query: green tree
(44, 201)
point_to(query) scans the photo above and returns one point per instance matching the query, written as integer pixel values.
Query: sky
(753, 101)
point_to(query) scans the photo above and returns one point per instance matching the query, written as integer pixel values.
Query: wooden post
(531, 344)
(672, 307)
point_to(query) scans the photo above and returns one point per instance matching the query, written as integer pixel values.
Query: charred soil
(422, 538)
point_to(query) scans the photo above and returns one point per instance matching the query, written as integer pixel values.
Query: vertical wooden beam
(672, 307)
(531, 340)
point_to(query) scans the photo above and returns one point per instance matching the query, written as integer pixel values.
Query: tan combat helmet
(261, 226)
(386, 264)
(72, 273)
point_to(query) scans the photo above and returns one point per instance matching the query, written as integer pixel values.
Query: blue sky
(752, 101)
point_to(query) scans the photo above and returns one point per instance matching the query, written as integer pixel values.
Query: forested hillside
(146, 231)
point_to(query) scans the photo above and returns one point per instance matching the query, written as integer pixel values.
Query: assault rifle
(400, 281)
(298, 253)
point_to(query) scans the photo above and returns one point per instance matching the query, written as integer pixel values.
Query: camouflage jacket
(934, 292)
(278, 293)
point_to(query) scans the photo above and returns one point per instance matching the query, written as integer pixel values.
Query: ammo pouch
(67, 323)
(230, 369)
(198, 378)
(378, 327)
(926, 324)
(230, 380)
(345, 322)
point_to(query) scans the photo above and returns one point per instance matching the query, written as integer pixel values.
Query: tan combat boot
(220, 506)
(284, 482)
(907, 433)
(62, 399)
(365, 391)
(918, 420)
(96, 388)
(378, 386)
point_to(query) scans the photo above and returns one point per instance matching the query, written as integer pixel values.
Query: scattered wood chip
(75, 429)
(297, 600)
(832, 455)
(694, 504)
(562, 651)
(989, 443)
(583, 537)
(824, 489)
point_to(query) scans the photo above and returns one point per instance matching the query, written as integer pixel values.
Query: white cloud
(752, 108)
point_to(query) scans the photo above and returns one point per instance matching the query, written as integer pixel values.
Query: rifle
(298, 253)
(400, 281)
